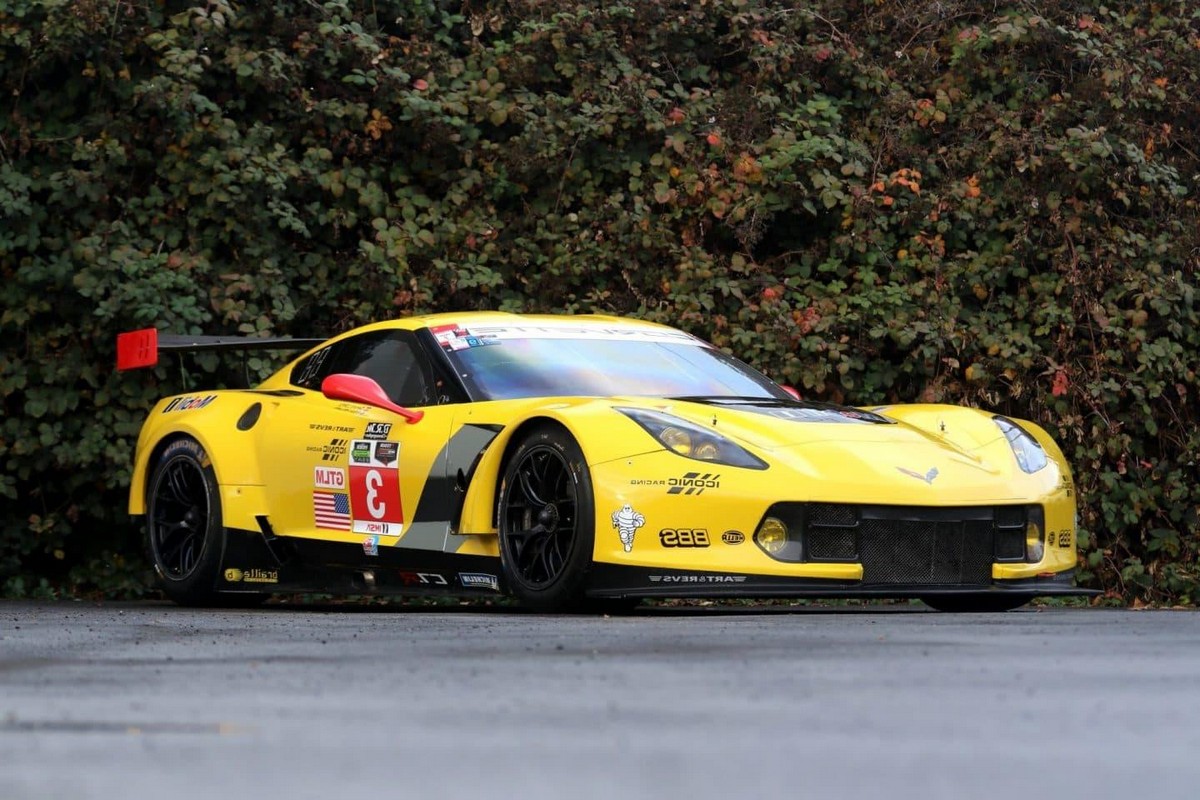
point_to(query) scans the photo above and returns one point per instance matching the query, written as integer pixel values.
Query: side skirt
(263, 564)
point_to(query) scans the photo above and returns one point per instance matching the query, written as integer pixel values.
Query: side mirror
(361, 389)
(792, 391)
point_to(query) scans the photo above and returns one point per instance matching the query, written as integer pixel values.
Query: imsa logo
(683, 537)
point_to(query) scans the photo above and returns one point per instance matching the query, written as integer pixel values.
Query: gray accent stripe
(425, 536)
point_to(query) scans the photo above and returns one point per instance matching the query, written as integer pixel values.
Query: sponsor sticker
(322, 427)
(377, 430)
(683, 537)
(329, 478)
(375, 488)
(479, 580)
(733, 537)
(627, 521)
(333, 451)
(697, 578)
(189, 403)
(234, 575)
(360, 453)
(423, 579)
(387, 452)
(371, 546)
(694, 483)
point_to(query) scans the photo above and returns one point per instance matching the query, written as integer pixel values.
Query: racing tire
(185, 535)
(974, 603)
(546, 513)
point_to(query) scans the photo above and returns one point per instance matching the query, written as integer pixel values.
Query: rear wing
(140, 349)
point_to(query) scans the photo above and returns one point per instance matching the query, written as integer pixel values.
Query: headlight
(1029, 454)
(691, 440)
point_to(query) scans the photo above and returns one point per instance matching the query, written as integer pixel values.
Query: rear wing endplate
(140, 349)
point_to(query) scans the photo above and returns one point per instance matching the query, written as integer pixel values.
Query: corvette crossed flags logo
(927, 477)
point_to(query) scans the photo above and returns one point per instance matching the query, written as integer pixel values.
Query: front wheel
(547, 521)
(184, 530)
(967, 603)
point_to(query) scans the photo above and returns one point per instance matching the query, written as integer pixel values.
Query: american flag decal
(331, 510)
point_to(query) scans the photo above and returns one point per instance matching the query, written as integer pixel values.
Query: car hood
(963, 450)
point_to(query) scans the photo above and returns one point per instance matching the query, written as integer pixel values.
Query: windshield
(502, 363)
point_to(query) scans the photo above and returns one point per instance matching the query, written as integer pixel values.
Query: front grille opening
(908, 544)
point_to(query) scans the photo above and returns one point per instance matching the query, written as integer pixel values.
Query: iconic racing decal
(188, 403)
(331, 510)
(375, 488)
(377, 430)
(322, 427)
(234, 575)
(329, 478)
(694, 483)
(371, 546)
(479, 580)
(329, 452)
(697, 578)
(733, 537)
(690, 483)
(627, 521)
(927, 477)
(683, 537)
(423, 578)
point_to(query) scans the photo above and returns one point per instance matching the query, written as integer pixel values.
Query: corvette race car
(582, 462)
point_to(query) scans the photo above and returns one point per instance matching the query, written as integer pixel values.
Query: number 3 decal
(375, 507)
(375, 488)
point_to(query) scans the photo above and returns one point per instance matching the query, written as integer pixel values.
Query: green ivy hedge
(875, 201)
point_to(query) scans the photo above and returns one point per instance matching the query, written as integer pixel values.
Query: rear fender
(215, 426)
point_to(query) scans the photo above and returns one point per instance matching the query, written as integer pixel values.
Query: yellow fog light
(678, 440)
(1035, 546)
(772, 535)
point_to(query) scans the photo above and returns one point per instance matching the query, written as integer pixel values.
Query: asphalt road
(147, 700)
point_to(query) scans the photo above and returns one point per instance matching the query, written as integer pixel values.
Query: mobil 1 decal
(375, 487)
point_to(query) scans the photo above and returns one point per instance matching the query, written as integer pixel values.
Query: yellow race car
(576, 462)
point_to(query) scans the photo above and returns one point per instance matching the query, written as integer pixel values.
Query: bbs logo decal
(683, 537)
(694, 483)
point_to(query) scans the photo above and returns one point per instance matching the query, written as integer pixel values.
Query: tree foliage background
(874, 200)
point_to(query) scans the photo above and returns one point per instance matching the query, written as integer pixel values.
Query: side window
(393, 359)
(312, 370)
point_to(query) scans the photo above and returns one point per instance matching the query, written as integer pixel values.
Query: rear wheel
(965, 603)
(547, 521)
(184, 531)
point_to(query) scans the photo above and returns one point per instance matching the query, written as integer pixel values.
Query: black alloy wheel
(184, 531)
(547, 521)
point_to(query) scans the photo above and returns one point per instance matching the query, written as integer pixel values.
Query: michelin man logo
(627, 521)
